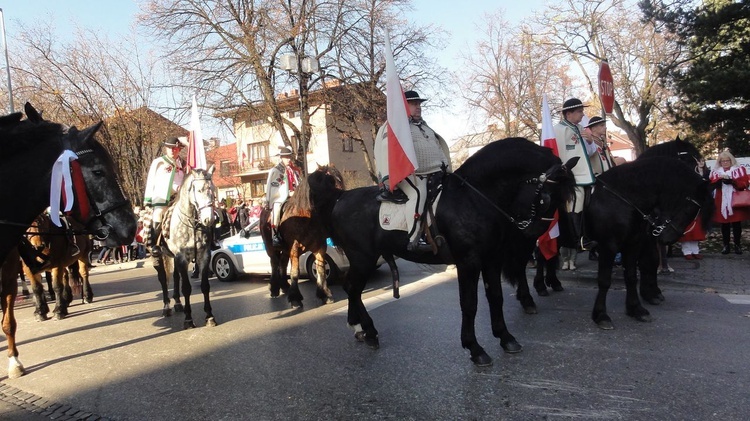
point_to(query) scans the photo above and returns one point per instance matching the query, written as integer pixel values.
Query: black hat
(413, 96)
(174, 142)
(572, 104)
(284, 151)
(594, 121)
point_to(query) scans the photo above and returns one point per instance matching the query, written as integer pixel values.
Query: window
(224, 168)
(258, 151)
(347, 144)
(258, 188)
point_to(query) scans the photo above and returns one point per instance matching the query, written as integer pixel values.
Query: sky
(116, 17)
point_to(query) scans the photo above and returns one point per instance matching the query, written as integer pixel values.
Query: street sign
(606, 87)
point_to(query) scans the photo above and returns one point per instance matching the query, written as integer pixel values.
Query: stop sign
(606, 87)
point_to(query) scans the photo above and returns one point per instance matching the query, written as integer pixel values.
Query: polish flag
(402, 160)
(548, 241)
(196, 155)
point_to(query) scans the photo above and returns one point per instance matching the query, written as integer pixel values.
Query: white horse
(188, 232)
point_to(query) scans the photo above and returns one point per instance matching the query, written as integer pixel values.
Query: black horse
(634, 206)
(510, 186)
(688, 154)
(28, 150)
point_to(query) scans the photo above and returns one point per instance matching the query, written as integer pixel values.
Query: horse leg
(394, 274)
(648, 265)
(357, 317)
(176, 280)
(539, 284)
(323, 292)
(161, 276)
(181, 265)
(294, 295)
(491, 275)
(551, 279)
(206, 288)
(604, 279)
(633, 306)
(61, 303)
(50, 285)
(37, 289)
(512, 263)
(83, 270)
(8, 293)
(468, 277)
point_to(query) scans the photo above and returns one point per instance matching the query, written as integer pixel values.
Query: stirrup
(587, 244)
(397, 196)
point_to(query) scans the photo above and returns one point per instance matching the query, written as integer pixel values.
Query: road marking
(736, 299)
(405, 291)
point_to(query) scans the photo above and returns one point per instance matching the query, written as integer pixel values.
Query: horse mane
(499, 160)
(678, 148)
(17, 136)
(300, 204)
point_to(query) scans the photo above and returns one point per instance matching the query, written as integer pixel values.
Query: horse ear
(572, 162)
(32, 114)
(87, 133)
(211, 169)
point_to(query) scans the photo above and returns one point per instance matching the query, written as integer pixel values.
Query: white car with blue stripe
(245, 253)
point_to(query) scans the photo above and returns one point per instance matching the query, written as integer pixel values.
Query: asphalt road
(118, 359)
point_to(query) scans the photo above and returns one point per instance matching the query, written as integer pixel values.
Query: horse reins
(653, 222)
(521, 225)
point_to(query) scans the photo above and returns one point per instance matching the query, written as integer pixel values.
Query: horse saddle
(401, 216)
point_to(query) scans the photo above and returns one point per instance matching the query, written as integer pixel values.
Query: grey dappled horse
(188, 232)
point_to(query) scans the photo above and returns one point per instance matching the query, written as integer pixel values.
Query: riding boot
(276, 239)
(386, 195)
(578, 226)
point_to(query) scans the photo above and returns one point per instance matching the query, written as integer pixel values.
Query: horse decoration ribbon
(66, 176)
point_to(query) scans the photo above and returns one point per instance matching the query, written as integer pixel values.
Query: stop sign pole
(606, 87)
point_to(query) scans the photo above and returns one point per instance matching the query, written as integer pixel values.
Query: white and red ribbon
(61, 179)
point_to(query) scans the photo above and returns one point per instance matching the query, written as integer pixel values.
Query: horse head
(201, 193)
(100, 203)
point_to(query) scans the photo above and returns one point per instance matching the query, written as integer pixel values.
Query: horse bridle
(520, 224)
(657, 228)
(97, 214)
(194, 204)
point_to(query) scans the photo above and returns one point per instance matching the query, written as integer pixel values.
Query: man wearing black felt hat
(572, 141)
(432, 155)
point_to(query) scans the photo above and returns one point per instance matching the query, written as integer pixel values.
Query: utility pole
(7, 64)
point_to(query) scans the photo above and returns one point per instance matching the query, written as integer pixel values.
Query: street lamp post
(304, 67)
(7, 64)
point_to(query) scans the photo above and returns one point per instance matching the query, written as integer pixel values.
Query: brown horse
(302, 230)
(61, 247)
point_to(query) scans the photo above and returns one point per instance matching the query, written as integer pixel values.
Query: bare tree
(589, 31)
(91, 79)
(507, 74)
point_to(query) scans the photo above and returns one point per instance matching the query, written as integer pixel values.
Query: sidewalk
(715, 273)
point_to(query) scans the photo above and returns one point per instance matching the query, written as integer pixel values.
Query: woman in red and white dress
(731, 177)
(695, 232)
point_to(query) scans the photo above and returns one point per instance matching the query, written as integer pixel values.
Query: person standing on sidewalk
(731, 178)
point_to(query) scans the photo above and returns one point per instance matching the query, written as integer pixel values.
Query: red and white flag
(196, 155)
(402, 160)
(548, 241)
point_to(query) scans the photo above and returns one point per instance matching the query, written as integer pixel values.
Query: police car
(245, 253)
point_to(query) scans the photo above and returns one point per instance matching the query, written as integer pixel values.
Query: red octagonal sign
(606, 87)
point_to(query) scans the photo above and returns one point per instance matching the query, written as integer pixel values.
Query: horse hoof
(329, 300)
(511, 347)
(15, 368)
(543, 292)
(660, 297)
(652, 300)
(179, 308)
(188, 324)
(373, 343)
(296, 304)
(359, 336)
(166, 312)
(210, 322)
(605, 324)
(530, 310)
(646, 318)
(40, 317)
(482, 360)
(557, 288)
